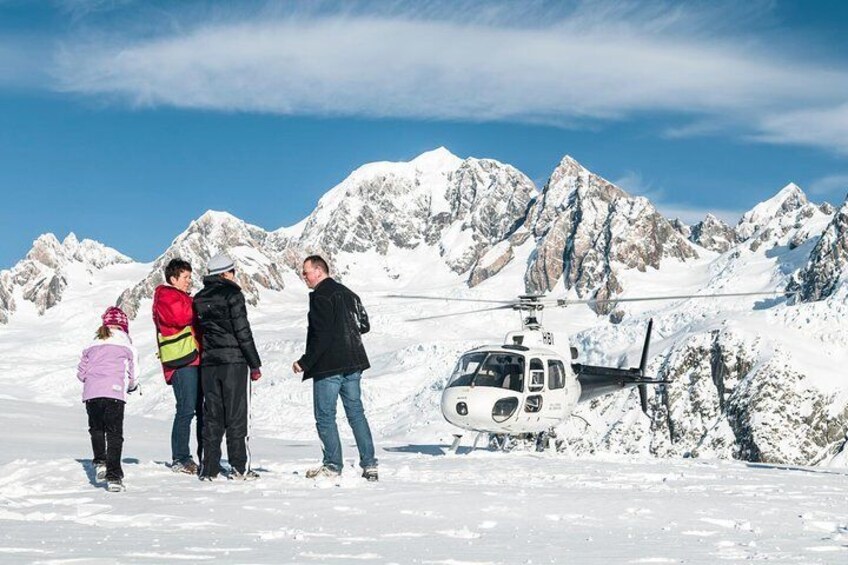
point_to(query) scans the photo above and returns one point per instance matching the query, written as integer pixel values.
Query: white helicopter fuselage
(523, 386)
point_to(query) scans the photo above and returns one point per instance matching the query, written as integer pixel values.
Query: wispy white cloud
(635, 183)
(822, 126)
(382, 66)
(565, 64)
(831, 185)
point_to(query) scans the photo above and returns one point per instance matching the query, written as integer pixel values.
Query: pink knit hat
(114, 316)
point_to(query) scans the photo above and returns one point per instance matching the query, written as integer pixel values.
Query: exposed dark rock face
(7, 301)
(464, 208)
(713, 234)
(787, 218)
(42, 275)
(681, 227)
(731, 396)
(215, 232)
(826, 266)
(586, 228)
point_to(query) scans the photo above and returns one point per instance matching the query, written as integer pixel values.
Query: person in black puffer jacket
(227, 351)
(335, 358)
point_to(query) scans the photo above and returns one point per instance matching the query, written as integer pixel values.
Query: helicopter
(525, 387)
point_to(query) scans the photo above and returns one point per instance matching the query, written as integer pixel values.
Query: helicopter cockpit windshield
(494, 369)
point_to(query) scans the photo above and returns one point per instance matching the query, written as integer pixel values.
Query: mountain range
(755, 380)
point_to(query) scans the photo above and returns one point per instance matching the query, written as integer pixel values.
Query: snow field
(429, 507)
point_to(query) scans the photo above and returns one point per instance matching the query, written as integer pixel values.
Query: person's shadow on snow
(91, 472)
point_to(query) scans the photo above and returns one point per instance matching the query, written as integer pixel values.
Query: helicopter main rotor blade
(423, 297)
(567, 302)
(504, 307)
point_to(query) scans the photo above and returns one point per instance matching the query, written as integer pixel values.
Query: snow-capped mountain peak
(747, 379)
(713, 234)
(462, 207)
(255, 255)
(827, 265)
(584, 225)
(787, 218)
(788, 199)
(439, 159)
(41, 277)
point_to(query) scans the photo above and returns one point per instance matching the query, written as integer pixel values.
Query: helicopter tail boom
(598, 381)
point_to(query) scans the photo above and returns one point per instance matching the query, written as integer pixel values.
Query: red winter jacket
(173, 310)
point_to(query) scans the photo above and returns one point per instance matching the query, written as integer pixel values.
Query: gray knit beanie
(218, 264)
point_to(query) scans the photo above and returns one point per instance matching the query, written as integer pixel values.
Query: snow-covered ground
(429, 507)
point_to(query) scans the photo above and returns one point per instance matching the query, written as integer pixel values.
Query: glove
(132, 389)
(255, 374)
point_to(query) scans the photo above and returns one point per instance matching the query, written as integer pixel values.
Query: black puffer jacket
(337, 321)
(222, 320)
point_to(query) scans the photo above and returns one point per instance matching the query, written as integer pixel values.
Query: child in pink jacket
(108, 370)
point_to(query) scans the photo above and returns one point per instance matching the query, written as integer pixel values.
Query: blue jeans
(186, 385)
(325, 393)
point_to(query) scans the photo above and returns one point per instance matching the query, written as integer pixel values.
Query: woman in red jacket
(173, 315)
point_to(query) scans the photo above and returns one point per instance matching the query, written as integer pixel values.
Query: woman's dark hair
(175, 268)
(103, 332)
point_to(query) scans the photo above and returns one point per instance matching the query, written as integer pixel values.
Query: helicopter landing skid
(457, 439)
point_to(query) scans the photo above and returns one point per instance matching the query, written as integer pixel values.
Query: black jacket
(222, 320)
(337, 321)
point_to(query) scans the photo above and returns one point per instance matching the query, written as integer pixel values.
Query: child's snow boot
(115, 485)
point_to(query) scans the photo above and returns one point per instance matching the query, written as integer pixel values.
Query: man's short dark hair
(318, 261)
(175, 268)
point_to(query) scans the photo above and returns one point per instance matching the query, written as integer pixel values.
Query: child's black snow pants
(106, 427)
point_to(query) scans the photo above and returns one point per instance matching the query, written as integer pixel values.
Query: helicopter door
(556, 375)
(556, 405)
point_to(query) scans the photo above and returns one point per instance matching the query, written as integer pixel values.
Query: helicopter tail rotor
(643, 388)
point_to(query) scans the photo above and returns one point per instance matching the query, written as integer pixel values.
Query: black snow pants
(106, 427)
(226, 409)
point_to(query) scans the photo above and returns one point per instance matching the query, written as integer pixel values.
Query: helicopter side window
(537, 375)
(556, 375)
(533, 403)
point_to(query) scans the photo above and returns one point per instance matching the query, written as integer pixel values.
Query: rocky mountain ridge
(587, 229)
(42, 276)
(825, 269)
(258, 260)
(474, 213)
(731, 395)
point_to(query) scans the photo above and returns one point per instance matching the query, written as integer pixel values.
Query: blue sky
(124, 120)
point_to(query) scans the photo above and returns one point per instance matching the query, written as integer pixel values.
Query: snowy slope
(484, 507)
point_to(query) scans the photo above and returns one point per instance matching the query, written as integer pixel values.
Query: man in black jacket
(228, 351)
(334, 360)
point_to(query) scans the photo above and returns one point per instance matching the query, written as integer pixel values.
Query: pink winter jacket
(108, 367)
